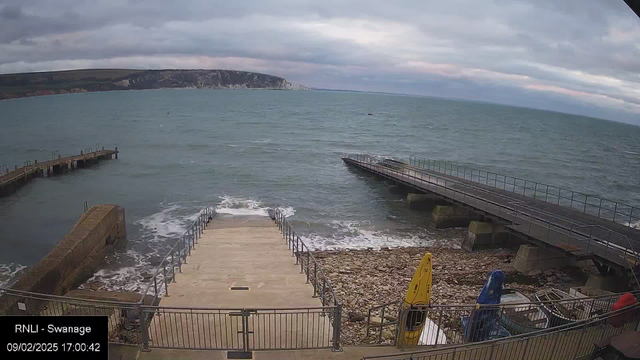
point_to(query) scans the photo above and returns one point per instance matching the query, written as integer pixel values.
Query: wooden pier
(12, 180)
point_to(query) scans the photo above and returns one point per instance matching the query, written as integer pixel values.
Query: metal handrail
(517, 214)
(492, 179)
(583, 324)
(177, 255)
(321, 284)
(297, 245)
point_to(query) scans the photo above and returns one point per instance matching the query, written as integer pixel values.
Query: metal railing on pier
(176, 256)
(322, 287)
(589, 204)
(608, 245)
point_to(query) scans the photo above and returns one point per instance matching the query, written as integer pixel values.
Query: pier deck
(576, 233)
(12, 180)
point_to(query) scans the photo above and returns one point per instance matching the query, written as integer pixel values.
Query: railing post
(173, 267)
(308, 268)
(166, 283)
(315, 279)
(337, 323)
(301, 255)
(324, 286)
(586, 198)
(297, 250)
(439, 324)
(145, 329)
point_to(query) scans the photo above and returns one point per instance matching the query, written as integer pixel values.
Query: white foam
(247, 207)
(351, 235)
(159, 233)
(8, 273)
(635, 225)
(166, 224)
(126, 278)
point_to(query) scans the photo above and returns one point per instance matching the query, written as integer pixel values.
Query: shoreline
(366, 278)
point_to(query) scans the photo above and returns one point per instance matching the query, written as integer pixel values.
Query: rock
(388, 334)
(355, 317)
(375, 320)
(551, 279)
(534, 272)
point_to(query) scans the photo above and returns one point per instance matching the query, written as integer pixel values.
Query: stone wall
(78, 255)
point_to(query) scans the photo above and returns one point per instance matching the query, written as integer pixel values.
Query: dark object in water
(272, 213)
(482, 323)
(370, 114)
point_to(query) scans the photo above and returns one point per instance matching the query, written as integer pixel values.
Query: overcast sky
(578, 56)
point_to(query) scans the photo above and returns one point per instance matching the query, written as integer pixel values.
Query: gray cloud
(580, 53)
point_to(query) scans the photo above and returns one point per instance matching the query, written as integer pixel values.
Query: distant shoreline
(13, 86)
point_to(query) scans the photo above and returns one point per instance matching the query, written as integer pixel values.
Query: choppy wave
(131, 278)
(159, 232)
(168, 223)
(362, 235)
(247, 207)
(9, 272)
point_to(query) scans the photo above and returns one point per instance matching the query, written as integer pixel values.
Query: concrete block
(530, 257)
(483, 234)
(451, 216)
(423, 201)
(608, 283)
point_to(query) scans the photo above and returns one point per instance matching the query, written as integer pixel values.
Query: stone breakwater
(365, 278)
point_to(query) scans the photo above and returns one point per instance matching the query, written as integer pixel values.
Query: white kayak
(431, 333)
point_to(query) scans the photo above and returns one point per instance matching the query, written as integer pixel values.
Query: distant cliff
(62, 82)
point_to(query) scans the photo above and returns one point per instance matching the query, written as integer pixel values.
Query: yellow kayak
(419, 293)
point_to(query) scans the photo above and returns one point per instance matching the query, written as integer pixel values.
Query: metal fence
(165, 272)
(589, 204)
(241, 329)
(566, 342)
(458, 324)
(608, 245)
(322, 287)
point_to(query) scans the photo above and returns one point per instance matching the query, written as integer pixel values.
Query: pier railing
(322, 287)
(567, 342)
(449, 324)
(590, 239)
(175, 257)
(589, 204)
